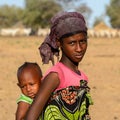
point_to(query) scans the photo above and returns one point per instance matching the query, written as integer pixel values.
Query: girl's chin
(78, 60)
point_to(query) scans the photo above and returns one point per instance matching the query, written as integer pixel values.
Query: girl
(59, 96)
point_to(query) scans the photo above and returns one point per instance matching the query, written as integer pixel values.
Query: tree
(9, 15)
(97, 21)
(39, 12)
(67, 5)
(112, 11)
(85, 10)
(76, 5)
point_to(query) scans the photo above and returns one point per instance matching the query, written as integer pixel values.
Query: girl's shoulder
(54, 69)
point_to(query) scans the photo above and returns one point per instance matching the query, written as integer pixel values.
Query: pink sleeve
(84, 76)
(57, 70)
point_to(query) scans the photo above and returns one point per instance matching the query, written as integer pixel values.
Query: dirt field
(101, 63)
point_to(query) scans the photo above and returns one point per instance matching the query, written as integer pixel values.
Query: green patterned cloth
(71, 103)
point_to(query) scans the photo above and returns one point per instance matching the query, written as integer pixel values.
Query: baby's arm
(50, 82)
(21, 110)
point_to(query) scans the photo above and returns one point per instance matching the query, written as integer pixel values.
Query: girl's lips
(79, 56)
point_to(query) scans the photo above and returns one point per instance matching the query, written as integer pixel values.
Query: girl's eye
(83, 41)
(72, 43)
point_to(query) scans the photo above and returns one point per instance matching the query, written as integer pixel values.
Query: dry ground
(101, 63)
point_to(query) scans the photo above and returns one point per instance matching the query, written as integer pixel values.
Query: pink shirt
(67, 76)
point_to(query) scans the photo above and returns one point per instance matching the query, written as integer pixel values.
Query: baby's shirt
(24, 98)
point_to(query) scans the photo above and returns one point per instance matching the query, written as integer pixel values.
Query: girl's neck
(71, 65)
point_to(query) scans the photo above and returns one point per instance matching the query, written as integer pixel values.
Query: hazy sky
(97, 6)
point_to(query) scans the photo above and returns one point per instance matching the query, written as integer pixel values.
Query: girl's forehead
(78, 35)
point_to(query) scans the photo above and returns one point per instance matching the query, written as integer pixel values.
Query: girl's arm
(50, 82)
(21, 110)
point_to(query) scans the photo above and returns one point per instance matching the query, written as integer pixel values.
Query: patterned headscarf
(64, 23)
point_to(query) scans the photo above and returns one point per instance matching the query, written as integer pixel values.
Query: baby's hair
(26, 65)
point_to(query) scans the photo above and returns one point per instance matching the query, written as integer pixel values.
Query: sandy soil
(101, 63)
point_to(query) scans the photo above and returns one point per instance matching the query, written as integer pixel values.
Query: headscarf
(47, 51)
(64, 23)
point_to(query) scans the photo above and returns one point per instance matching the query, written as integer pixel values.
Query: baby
(29, 79)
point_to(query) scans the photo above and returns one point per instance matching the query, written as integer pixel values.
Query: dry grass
(101, 63)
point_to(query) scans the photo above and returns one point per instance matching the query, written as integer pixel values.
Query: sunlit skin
(73, 49)
(29, 82)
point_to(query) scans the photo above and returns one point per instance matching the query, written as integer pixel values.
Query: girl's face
(74, 47)
(29, 82)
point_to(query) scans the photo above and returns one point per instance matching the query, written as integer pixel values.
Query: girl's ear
(58, 43)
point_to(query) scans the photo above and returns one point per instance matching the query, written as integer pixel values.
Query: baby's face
(29, 83)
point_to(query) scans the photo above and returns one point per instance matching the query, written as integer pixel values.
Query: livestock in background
(15, 32)
(102, 30)
(91, 33)
(24, 32)
(42, 31)
(8, 32)
(118, 32)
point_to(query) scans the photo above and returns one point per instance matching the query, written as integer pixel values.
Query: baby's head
(29, 78)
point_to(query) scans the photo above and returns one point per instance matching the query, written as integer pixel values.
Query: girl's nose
(78, 47)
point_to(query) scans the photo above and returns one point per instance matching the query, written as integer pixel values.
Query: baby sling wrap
(71, 103)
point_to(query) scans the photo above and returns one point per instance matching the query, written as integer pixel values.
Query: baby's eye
(31, 84)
